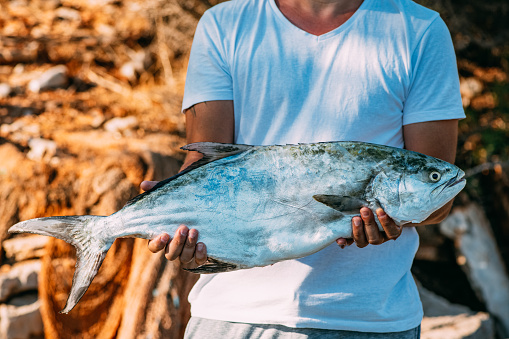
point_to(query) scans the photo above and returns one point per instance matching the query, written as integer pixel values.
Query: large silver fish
(257, 205)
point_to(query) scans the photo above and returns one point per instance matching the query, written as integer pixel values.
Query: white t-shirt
(391, 64)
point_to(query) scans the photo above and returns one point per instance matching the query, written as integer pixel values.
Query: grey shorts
(199, 328)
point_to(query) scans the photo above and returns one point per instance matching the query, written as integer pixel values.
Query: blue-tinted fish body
(257, 205)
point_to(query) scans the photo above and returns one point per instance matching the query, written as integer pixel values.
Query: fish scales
(226, 190)
(257, 205)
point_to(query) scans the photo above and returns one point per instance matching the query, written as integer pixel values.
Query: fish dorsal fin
(341, 203)
(213, 151)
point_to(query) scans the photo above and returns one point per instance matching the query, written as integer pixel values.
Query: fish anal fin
(213, 266)
(346, 205)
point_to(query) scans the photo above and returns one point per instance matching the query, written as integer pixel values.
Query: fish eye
(434, 176)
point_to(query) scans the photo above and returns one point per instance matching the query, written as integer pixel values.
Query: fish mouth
(459, 178)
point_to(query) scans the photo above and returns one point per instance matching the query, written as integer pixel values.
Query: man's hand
(182, 246)
(365, 230)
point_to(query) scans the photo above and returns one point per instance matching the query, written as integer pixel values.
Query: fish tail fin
(79, 232)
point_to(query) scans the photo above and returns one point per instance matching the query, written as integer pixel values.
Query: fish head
(411, 191)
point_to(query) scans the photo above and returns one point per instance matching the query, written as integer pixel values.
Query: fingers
(184, 247)
(200, 256)
(157, 244)
(358, 232)
(176, 245)
(147, 185)
(365, 229)
(373, 234)
(392, 231)
(341, 242)
(187, 253)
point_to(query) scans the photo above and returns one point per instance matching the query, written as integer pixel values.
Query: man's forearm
(211, 121)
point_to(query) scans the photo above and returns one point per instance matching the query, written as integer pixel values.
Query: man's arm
(211, 121)
(435, 138)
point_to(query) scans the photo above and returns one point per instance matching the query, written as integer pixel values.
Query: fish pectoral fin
(346, 205)
(213, 266)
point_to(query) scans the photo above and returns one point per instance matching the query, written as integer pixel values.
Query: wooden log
(138, 290)
(478, 256)
(443, 319)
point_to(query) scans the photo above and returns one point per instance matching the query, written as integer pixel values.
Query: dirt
(83, 146)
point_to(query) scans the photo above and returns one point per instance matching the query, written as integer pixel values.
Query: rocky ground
(90, 94)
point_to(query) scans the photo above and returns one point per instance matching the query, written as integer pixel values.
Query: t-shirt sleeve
(208, 75)
(434, 91)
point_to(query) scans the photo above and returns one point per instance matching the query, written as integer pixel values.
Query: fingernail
(164, 238)
(356, 222)
(199, 247)
(184, 232)
(380, 213)
(364, 213)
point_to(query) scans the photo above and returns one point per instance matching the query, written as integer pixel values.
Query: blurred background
(90, 94)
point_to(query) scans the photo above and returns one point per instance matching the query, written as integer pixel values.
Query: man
(289, 71)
